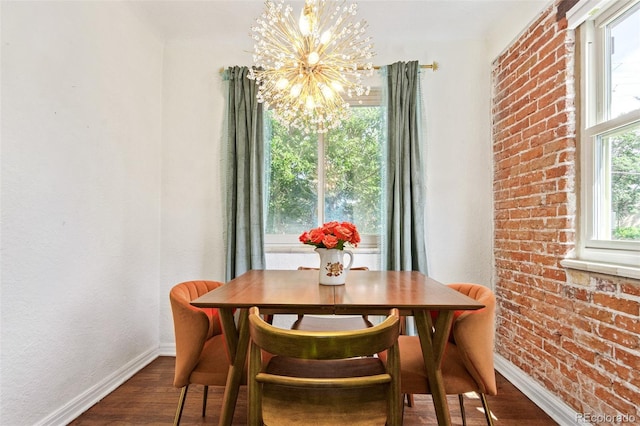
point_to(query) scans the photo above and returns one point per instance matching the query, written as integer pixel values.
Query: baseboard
(547, 401)
(70, 411)
(167, 349)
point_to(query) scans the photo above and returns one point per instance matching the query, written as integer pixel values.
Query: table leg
(238, 343)
(433, 340)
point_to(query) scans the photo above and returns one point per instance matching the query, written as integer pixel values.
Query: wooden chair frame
(346, 346)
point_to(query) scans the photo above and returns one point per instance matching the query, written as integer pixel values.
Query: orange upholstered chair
(467, 365)
(201, 351)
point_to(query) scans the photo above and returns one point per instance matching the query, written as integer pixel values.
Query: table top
(299, 291)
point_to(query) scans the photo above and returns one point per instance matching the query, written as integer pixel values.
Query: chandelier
(306, 66)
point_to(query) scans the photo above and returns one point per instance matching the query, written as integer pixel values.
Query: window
(610, 135)
(316, 178)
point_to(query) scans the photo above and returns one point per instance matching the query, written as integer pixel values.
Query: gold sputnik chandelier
(307, 65)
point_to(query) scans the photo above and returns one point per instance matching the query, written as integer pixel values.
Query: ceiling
(230, 20)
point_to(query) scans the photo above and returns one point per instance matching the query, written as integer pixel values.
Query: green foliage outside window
(292, 200)
(625, 185)
(352, 175)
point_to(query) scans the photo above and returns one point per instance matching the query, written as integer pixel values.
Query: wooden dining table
(365, 292)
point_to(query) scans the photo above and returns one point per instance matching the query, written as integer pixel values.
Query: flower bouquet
(332, 235)
(329, 241)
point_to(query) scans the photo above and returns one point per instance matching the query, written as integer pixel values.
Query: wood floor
(149, 398)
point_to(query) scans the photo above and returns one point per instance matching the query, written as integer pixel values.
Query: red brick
(595, 343)
(617, 403)
(587, 370)
(631, 307)
(628, 358)
(586, 354)
(622, 389)
(631, 325)
(614, 368)
(627, 340)
(630, 288)
(594, 312)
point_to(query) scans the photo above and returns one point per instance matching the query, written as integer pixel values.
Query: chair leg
(204, 400)
(409, 397)
(183, 397)
(462, 412)
(487, 412)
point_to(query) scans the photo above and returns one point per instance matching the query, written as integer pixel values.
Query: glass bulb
(325, 37)
(304, 22)
(282, 83)
(337, 86)
(296, 89)
(310, 104)
(326, 91)
(313, 58)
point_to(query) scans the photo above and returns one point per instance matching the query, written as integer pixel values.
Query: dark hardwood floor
(149, 398)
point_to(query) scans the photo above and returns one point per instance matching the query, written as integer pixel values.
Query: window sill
(602, 268)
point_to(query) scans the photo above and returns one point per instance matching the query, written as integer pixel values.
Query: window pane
(624, 63)
(292, 159)
(353, 171)
(619, 198)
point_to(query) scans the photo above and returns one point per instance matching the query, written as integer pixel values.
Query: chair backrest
(474, 333)
(192, 326)
(321, 360)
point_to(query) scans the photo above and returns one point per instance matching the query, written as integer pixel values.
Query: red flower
(332, 235)
(343, 233)
(330, 241)
(316, 236)
(329, 227)
(304, 238)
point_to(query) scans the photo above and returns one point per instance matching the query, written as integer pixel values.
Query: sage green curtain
(245, 175)
(404, 247)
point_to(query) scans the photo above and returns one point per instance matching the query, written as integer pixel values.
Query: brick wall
(578, 334)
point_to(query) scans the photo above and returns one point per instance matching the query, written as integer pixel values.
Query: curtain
(244, 178)
(404, 247)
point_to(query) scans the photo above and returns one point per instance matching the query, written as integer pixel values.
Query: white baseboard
(547, 401)
(70, 411)
(167, 349)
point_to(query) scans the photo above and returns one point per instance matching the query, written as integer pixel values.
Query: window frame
(593, 106)
(290, 242)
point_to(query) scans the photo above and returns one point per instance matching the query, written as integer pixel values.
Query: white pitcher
(332, 269)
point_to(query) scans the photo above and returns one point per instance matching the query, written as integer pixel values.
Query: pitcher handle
(348, 267)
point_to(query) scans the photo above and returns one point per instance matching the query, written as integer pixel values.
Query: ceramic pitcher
(332, 268)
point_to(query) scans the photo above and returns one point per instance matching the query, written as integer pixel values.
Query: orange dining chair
(324, 378)
(331, 322)
(467, 365)
(201, 350)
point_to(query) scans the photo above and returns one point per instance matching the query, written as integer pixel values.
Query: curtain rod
(433, 66)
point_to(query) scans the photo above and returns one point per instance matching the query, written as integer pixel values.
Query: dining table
(364, 292)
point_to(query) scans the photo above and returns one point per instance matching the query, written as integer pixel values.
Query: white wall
(81, 134)
(192, 179)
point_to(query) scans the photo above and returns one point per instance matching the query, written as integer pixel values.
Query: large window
(316, 178)
(610, 135)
